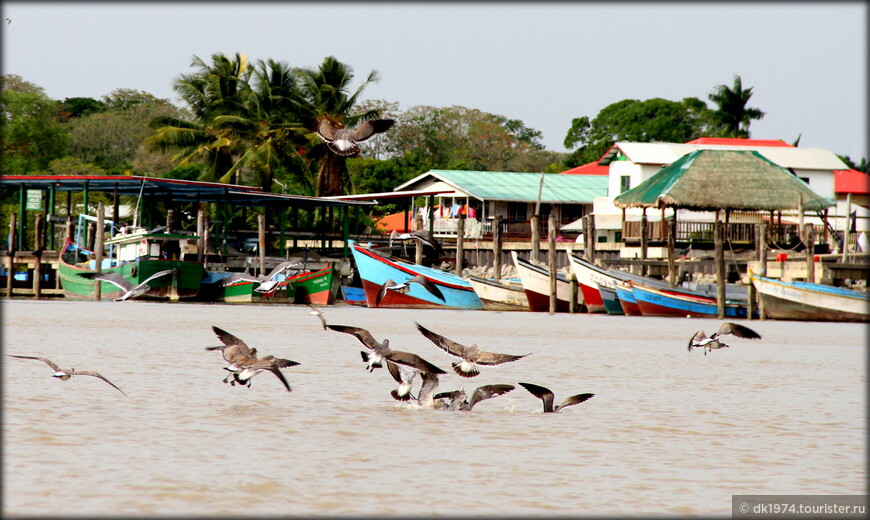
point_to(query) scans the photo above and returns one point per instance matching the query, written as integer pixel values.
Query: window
(624, 183)
(516, 211)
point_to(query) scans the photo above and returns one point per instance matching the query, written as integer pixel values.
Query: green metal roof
(723, 179)
(523, 186)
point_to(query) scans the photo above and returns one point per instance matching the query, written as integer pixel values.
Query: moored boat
(135, 257)
(660, 302)
(626, 299)
(536, 284)
(589, 276)
(503, 295)
(353, 295)
(610, 299)
(795, 300)
(243, 291)
(375, 268)
(316, 287)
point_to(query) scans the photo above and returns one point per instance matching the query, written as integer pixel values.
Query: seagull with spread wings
(243, 363)
(66, 373)
(404, 287)
(130, 290)
(343, 141)
(459, 400)
(471, 356)
(268, 283)
(700, 339)
(546, 397)
(381, 351)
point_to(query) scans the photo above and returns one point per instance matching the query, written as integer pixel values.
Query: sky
(541, 63)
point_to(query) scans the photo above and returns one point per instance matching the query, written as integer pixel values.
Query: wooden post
(89, 239)
(98, 248)
(116, 208)
(460, 237)
(810, 242)
(551, 259)
(13, 243)
(37, 252)
(199, 241)
(261, 228)
(496, 248)
(205, 238)
(800, 209)
(572, 282)
(536, 238)
(169, 214)
(847, 226)
(70, 229)
(720, 267)
(418, 251)
(672, 263)
(762, 257)
(591, 253)
(644, 224)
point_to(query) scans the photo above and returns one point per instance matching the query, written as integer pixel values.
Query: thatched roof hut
(708, 180)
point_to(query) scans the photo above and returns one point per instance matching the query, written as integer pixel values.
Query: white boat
(536, 284)
(505, 295)
(795, 300)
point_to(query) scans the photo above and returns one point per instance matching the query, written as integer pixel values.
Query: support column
(551, 259)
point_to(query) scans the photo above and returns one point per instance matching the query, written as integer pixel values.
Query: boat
(796, 300)
(661, 302)
(536, 284)
(316, 287)
(610, 299)
(353, 295)
(626, 299)
(376, 267)
(589, 276)
(135, 256)
(243, 291)
(504, 295)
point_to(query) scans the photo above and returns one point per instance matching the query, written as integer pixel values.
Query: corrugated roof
(851, 181)
(668, 153)
(723, 179)
(741, 142)
(592, 168)
(517, 186)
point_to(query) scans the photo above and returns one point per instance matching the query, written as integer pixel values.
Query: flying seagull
(460, 401)
(700, 340)
(471, 356)
(421, 234)
(425, 398)
(64, 374)
(343, 141)
(405, 377)
(130, 290)
(243, 363)
(268, 283)
(546, 396)
(403, 288)
(382, 351)
(316, 312)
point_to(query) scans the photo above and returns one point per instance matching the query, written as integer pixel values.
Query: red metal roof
(851, 181)
(592, 168)
(730, 141)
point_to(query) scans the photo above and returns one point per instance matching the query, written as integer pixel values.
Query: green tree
(72, 108)
(325, 93)
(32, 134)
(212, 90)
(651, 120)
(732, 115)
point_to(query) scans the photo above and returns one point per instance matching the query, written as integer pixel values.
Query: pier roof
(723, 179)
(175, 189)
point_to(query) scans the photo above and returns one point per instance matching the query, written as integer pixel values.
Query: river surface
(669, 432)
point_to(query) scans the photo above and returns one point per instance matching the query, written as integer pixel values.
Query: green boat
(243, 291)
(136, 257)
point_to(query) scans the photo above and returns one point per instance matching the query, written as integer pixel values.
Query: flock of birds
(243, 363)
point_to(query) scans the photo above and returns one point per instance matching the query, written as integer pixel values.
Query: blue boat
(664, 302)
(376, 267)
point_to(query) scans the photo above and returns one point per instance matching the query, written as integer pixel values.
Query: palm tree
(325, 94)
(733, 116)
(268, 126)
(211, 91)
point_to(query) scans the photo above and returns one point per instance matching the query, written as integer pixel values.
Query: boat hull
(499, 297)
(317, 287)
(375, 269)
(536, 284)
(354, 295)
(654, 302)
(185, 283)
(589, 277)
(809, 301)
(627, 300)
(611, 300)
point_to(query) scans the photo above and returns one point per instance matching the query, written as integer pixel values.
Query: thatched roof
(723, 179)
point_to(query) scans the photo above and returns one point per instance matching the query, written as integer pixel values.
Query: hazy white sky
(543, 64)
